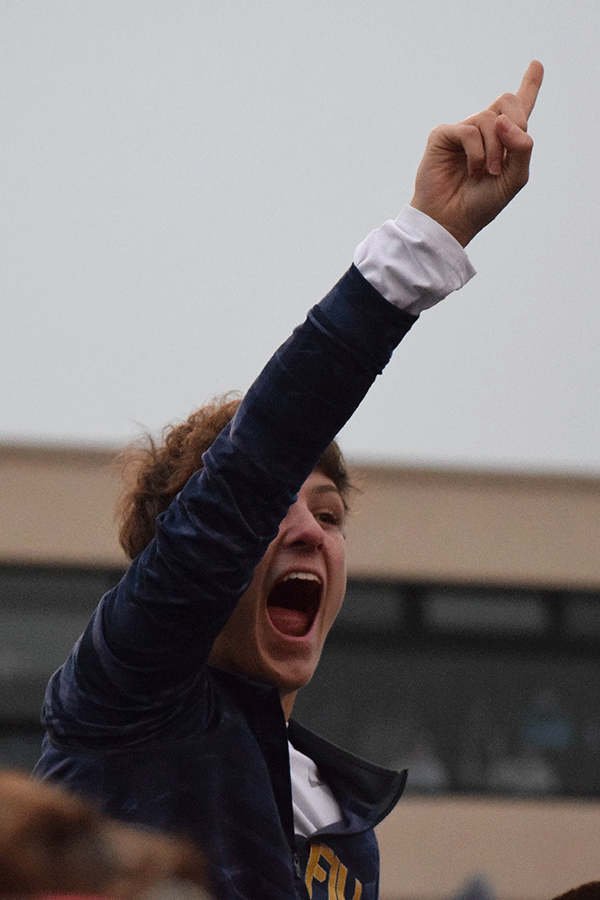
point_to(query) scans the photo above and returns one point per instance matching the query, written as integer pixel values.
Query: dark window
(43, 610)
(485, 612)
(475, 689)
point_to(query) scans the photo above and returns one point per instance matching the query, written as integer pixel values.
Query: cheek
(338, 583)
(341, 561)
(342, 594)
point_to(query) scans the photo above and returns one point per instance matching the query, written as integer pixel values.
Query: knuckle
(484, 119)
(471, 131)
(439, 129)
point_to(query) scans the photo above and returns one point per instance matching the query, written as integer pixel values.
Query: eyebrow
(326, 489)
(321, 489)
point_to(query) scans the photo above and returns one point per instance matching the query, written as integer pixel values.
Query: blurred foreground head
(52, 843)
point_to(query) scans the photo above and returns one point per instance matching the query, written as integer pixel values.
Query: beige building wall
(56, 506)
(480, 527)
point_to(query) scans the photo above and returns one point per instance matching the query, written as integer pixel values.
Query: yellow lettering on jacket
(335, 873)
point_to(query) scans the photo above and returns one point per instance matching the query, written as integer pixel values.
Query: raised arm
(153, 633)
(472, 170)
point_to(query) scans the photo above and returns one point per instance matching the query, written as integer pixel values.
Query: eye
(329, 518)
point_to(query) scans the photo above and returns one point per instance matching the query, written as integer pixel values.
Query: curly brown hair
(154, 473)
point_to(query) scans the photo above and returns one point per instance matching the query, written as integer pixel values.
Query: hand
(471, 171)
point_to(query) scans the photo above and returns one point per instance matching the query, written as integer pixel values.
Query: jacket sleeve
(147, 642)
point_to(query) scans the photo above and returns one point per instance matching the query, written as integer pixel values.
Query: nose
(300, 528)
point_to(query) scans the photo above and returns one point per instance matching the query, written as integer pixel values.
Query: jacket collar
(365, 789)
(367, 792)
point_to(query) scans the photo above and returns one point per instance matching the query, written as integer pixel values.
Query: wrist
(461, 235)
(413, 261)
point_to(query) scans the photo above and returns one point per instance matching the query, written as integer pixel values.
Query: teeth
(302, 576)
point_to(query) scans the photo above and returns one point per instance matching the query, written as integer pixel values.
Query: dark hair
(155, 473)
(588, 891)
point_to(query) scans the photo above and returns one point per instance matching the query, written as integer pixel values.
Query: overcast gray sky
(181, 181)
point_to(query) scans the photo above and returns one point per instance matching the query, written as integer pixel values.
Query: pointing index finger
(530, 86)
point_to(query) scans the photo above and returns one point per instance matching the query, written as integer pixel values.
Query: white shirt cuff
(413, 261)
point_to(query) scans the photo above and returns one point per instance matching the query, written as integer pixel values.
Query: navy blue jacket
(137, 719)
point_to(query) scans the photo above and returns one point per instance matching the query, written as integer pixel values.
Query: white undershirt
(314, 805)
(414, 263)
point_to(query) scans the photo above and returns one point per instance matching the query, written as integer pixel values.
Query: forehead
(317, 484)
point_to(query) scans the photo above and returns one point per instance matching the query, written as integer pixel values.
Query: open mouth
(294, 602)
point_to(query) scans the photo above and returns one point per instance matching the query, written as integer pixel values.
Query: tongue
(293, 622)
